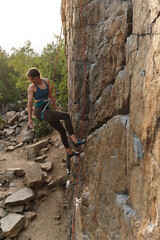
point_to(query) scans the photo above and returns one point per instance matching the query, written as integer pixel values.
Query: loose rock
(34, 176)
(12, 224)
(47, 166)
(20, 197)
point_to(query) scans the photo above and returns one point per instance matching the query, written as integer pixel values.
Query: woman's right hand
(30, 125)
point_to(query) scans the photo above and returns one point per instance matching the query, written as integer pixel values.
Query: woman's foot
(73, 154)
(79, 142)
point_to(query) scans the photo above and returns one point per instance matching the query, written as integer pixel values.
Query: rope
(54, 99)
(82, 122)
(51, 90)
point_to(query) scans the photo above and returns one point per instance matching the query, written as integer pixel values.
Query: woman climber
(39, 89)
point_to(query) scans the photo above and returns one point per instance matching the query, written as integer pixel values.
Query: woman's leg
(51, 118)
(57, 116)
(59, 127)
(51, 115)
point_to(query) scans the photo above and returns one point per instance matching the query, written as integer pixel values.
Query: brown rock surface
(120, 167)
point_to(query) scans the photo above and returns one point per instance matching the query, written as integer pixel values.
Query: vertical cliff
(118, 192)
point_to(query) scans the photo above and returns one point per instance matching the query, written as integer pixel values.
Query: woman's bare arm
(30, 103)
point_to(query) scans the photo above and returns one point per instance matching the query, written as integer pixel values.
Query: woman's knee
(67, 117)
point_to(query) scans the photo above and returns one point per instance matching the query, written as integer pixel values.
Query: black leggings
(53, 118)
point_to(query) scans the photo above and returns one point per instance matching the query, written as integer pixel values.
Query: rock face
(119, 195)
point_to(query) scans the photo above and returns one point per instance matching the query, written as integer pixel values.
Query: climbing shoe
(79, 142)
(73, 154)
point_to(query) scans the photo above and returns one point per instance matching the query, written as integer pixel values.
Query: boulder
(1, 144)
(41, 194)
(13, 119)
(2, 195)
(47, 166)
(10, 114)
(60, 181)
(39, 159)
(12, 224)
(26, 135)
(8, 131)
(43, 151)
(10, 148)
(34, 149)
(30, 216)
(2, 213)
(23, 196)
(23, 236)
(7, 176)
(34, 176)
(16, 209)
(17, 171)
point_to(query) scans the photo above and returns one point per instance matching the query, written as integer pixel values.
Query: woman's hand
(30, 102)
(30, 124)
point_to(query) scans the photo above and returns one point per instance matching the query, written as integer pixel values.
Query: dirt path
(51, 220)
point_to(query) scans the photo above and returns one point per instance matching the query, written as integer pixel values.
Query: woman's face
(34, 80)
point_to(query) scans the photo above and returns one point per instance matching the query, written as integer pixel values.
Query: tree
(21, 60)
(13, 69)
(47, 66)
(7, 86)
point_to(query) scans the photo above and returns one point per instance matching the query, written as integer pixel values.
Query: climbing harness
(48, 101)
(41, 103)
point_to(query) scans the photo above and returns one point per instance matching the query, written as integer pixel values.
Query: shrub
(42, 128)
(2, 122)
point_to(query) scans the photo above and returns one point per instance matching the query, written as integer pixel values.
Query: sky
(34, 20)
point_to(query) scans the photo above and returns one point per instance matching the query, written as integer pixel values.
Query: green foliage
(13, 69)
(21, 60)
(9, 93)
(42, 128)
(47, 66)
(4, 84)
(2, 122)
